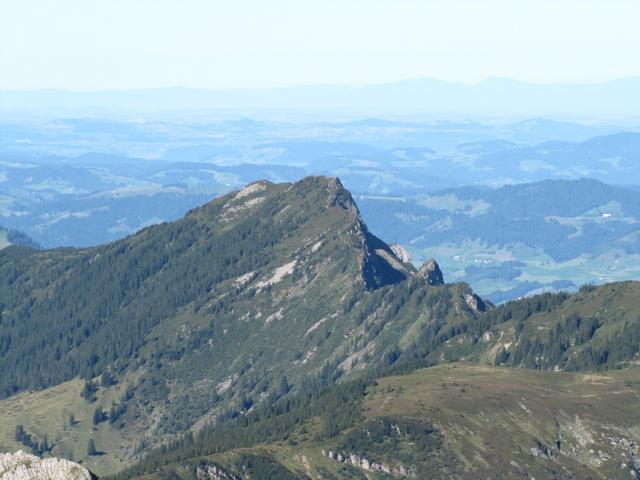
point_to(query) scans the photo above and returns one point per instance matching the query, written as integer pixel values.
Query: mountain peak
(431, 272)
(400, 252)
(337, 195)
(326, 207)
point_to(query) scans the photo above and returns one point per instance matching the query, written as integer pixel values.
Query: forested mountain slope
(456, 420)
(265, 244)
(245, 300)
(596, 328)
(265, 316)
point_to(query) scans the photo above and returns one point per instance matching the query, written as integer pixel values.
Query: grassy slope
(47, 412)
(492, 417)
(497, 422)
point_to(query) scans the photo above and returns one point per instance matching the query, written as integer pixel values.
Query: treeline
(337, 406)
(37, 447)
(414, 443)
(560, 346)
(438, 332)
(552, 350)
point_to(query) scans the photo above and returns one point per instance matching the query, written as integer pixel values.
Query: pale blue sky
(116, 44)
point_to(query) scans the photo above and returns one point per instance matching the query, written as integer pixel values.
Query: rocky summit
(431, 272)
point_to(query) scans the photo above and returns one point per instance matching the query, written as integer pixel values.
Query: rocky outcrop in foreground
(24, 466)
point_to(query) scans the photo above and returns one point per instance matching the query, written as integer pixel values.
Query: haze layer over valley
(511, 207)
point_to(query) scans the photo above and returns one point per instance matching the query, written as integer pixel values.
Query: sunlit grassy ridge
(463, 421)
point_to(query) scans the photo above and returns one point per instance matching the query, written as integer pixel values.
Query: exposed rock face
(541, 450)
(474, 302)
(368, 465)
(379, 263)
(24, 466)
(214, 472)
(400, 252)
(431, 272)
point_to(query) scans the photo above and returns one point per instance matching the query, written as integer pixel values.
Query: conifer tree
(91, 447)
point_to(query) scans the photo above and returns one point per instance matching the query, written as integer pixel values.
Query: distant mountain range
(269, 334)
(423, 97)
(608, 158)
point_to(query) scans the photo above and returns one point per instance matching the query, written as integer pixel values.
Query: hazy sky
(114, 44)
